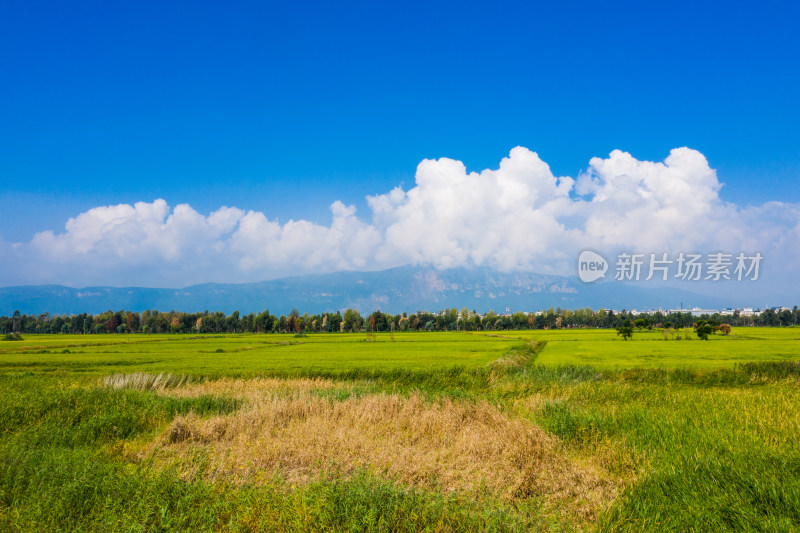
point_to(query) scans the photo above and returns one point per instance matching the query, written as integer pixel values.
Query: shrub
(625, 331)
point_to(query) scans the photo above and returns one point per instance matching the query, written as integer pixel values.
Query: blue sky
(285, 107)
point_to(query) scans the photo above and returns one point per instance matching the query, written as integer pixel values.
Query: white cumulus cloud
(519, 216)
(506, 218)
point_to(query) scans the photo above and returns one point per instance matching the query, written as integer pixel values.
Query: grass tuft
(143, 381)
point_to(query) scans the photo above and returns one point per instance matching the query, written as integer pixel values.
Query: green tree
(625, 330)
(352, 320)
(703, 329)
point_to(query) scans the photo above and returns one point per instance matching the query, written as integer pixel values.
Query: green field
(528, 430)
(605, 349)
(250, 354)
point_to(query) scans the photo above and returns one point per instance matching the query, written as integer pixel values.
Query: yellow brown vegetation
(287, 428)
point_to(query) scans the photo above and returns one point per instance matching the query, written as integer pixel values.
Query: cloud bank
(516, 217)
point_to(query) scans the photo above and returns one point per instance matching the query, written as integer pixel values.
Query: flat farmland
(650, 349)
(559, 430)
(249, 355)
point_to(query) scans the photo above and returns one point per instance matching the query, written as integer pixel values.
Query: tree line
(152, 321)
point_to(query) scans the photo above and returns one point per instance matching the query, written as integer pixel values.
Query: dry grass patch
(256, 391)
(144, 381)
(465, 447)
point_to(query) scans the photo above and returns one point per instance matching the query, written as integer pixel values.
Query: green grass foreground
(703, 433)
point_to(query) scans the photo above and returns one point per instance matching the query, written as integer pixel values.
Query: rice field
(252, 354)
(558, 430)
(652, 349)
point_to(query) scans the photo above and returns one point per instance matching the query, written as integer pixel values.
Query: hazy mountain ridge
(394, 290)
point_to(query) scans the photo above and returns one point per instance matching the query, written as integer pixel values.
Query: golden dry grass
(254, 391)
(144, 381)
(474, 448)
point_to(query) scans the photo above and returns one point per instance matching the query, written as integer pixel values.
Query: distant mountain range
(394, 290)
